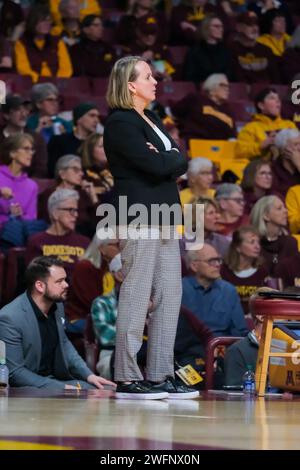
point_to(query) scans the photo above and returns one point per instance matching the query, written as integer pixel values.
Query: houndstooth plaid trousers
(152, 269)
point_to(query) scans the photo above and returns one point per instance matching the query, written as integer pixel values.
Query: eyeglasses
(211, 261)
(71, 210)
(238, 200)
(28, 149)
(224, 85)
(52, 100)
(76, 169)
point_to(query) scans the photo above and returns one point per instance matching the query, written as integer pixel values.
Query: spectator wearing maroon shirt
(207, 115)
(270, 218)
(69, 175)
(209, 55)
(186, 18)
(291, 58)
(286, 168)
(92, 56)
(252, 62)
(60, 239)
(90, 279)
(126, 28)
(147, 44)
(232, 205)
(288, 271)
(256, 182)
(69, 30)
(243, 266)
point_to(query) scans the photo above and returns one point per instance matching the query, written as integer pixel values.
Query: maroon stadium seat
(174, 91)
(99, 86)
(210, 357)
(16, 83)
(15, 264)
(242, 110)
(44, 183)
(178, 54)
(239, 91)
(282, 90)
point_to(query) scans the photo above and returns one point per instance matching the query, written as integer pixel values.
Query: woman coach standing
(145, 163)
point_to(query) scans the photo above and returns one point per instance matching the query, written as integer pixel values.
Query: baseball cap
(13, 102)
(248, 18)
(147, 24)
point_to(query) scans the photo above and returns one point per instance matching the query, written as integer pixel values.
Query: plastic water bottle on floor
(249, 381)
(3, 367)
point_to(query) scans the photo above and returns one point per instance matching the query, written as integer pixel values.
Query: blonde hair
(123, 71)
(232, 258)
(92, 253)
(259, 210)
(206, 202)
(86, 150)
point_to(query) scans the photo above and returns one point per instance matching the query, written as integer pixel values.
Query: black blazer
(143, 175)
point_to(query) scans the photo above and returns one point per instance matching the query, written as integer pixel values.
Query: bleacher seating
(239, 91)
(212, 149)
(44, 183)
(15, 83)
(178, 54)
(282, 90)
(14, 267)
(173, 91)
(99, 86)
(220, 152)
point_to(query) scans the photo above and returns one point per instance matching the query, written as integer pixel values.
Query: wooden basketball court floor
(95, 420)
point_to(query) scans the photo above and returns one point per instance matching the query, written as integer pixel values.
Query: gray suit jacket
(20, 331)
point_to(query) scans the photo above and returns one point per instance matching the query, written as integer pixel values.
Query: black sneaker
(139, 391)
(176, 390)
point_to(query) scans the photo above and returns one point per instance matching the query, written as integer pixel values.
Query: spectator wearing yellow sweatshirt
(257, 137)
(293, 207)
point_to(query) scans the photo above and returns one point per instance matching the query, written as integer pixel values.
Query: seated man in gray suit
(38, 352)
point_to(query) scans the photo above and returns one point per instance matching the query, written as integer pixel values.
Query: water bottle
(56, 126)
(249, 381)
(3, 375)
(3, 367)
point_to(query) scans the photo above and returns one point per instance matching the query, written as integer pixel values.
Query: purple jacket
(25, 192)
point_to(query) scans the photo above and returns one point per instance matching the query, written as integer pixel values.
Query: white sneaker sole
(184, 396)
(142, 396)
